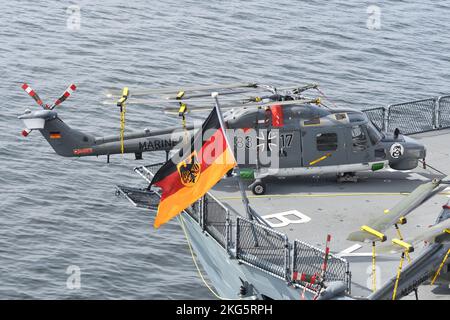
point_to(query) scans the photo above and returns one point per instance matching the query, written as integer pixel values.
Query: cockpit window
(374, 135)
(359, 138)
(356, 116)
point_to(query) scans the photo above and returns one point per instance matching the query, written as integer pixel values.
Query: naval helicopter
(304, 135)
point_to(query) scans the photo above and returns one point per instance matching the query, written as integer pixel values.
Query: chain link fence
(140, 197)
(153, 168)
(376, 115)
(262, 247)
(308, 260)
(444, 112)
(215, 219)
(412, 117)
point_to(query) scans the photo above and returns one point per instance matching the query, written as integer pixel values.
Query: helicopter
(299, 135)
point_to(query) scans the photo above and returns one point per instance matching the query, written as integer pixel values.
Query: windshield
(374, 135)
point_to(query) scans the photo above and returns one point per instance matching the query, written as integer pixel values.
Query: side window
(359, 138)
(327, 141)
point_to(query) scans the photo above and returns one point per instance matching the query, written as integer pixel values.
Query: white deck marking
(358, 254)
(283, 219)
(350, 249)
(417, 176)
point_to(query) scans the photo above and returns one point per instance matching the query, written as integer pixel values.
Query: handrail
(432, 119)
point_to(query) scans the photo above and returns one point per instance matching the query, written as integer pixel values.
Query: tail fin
(63, 139)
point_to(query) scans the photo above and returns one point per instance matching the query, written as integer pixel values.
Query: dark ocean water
(58, 212)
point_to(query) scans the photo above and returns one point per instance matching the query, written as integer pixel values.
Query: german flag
(190, 173)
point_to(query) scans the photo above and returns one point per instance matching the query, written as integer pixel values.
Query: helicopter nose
(405, 155)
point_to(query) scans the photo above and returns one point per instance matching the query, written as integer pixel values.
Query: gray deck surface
(340, 208)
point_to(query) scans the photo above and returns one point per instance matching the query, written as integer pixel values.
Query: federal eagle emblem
(189, 170)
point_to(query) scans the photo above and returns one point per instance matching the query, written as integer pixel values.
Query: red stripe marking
(82, 151)
(277, 115)
(73, 87)
(295, 275)
(66, 94)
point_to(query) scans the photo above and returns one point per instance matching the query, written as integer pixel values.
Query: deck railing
(262, 247)
(308, 261)
(413, 116)
(246, 240)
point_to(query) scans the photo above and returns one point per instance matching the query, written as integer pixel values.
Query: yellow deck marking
(323, 195)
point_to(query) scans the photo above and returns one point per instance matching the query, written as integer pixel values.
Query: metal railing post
(349, 278)
(237, 237)
(202, 213)
(286, 258)
(386, 112)
(437, 113)
(227, 231)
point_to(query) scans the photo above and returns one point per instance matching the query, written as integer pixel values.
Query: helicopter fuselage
(297, 139)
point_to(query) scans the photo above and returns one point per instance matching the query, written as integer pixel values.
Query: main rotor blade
(140, 92)
(171, 110)
(144, 101)
(208, 95)
(401, 209)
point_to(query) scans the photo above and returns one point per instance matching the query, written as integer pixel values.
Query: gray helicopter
(305, 136)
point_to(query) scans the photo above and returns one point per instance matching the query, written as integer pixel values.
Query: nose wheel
(258, 187)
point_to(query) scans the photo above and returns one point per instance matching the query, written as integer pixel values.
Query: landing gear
(347, 177)
(258, 187)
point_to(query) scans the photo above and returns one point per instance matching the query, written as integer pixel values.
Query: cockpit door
(360, 147)
(323, 146)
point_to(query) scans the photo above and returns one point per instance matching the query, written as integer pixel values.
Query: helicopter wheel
(347, 177)
(259, 188)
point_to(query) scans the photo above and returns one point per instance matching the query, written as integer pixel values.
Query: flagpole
(250, 212)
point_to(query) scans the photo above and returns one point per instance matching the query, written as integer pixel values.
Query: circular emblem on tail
(189, 170)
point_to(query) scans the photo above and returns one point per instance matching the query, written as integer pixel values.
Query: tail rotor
(65, 95)
(32, 93)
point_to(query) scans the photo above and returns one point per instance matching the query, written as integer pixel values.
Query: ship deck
(341, 208)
